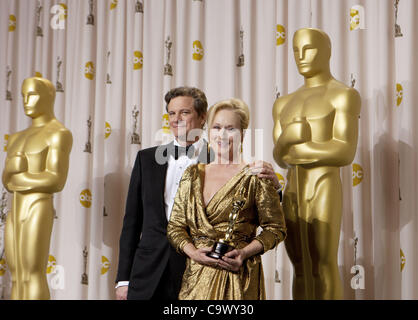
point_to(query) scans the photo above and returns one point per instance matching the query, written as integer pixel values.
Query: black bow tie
(179, 151)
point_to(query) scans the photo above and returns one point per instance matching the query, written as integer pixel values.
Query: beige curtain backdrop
(108, 59)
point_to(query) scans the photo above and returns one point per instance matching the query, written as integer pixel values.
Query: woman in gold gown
(200, 215)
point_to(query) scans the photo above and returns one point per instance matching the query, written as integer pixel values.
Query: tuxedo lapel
(159, 172)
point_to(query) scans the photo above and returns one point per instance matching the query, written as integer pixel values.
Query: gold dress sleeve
(178, 230)
(270, 215)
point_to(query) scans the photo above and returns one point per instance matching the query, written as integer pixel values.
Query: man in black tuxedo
(149, 268)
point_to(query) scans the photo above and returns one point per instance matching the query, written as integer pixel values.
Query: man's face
(310, 53)
(183, 119)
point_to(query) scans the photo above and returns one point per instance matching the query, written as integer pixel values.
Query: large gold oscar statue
(315, 133)
(36, 167)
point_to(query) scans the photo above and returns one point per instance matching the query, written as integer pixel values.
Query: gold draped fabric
(192, 222)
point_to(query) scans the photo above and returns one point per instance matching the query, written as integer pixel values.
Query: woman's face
(225, 135)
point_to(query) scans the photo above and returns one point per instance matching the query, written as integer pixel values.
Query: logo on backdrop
(6, 139)
(138, 60)
(12, 23)
(403, 260)
(166, 123)
(3, 267)
(52, 262)
(57, 279)
(399, 94)
(198, 51)
(86, 198)
(358, 280)
(108, 130)
(105, 265)
(89, 70)
(357, 17)
(55, 273)
(280, 35)
(357, 174)
(59, 12)
(113, 4)
(282, 181)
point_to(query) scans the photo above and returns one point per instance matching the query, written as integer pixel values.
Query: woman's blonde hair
(236, 105)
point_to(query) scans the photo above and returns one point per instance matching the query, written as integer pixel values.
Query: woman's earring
(210, 154)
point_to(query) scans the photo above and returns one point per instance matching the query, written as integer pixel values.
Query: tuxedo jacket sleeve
(132, 224)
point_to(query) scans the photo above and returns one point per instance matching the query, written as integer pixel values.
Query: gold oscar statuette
(87, 146)
(315, 133)
(36, 167)
(3, 207)
(277, 95)
(84, 276)
(8, 84)
(39, 31)
(398, 32)
(3, 216)
(108, 81)
(139, 7)
(168, 68)
(225, 245)
(58, 84)
(135, 138)
(241, 58)
(90, 17)
(353, 81)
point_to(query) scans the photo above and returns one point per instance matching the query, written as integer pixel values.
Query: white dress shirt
(175, 170)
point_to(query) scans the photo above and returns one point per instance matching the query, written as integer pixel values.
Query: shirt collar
(198, 146)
